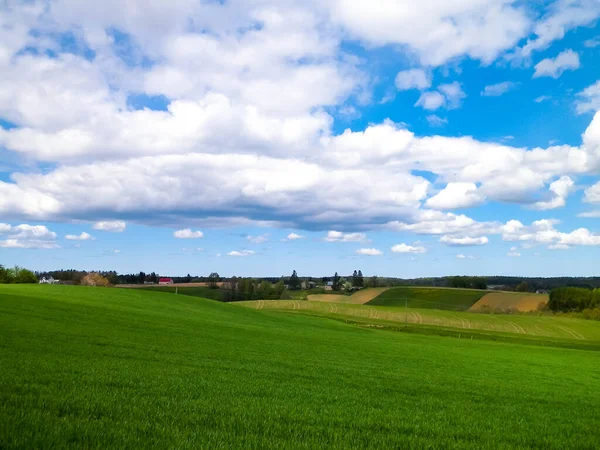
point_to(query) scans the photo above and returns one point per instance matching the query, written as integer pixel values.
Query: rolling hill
(86, 367)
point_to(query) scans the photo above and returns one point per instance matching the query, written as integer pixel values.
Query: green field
(196, 291)
(123, 368)
(429, 298)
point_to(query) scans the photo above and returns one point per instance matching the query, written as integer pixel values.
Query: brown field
(328, 298)
(359, 298)
(506, 300)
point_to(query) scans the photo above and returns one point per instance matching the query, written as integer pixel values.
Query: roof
(165, 279)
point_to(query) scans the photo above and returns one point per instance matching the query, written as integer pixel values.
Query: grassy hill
(124, 368)
(429, 298)
(519, 301)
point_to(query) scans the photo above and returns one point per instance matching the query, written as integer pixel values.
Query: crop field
(358, 298)
(468, 323)
(86, 367)
(508, 300)
(429, 298)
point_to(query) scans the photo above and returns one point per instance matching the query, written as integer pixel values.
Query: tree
(336, 282)
(522, 287)
(23, 276)
(141, 277)
(294, 281)
(5, 275)
(94, 279)
(361, 280)
(355, 279)
(213, 280)
(154, 277)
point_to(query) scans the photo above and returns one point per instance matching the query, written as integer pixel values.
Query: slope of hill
(429, 298)
(510, 300)
(123, 368)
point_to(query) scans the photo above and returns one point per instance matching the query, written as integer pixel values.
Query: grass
(123, 368)
(432, 298)
(197, 291)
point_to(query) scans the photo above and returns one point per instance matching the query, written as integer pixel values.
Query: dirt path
(575, 334)
(522, 330)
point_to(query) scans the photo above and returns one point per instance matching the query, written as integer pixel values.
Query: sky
(257, 137)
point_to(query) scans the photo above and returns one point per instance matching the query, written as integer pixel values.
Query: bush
(94, 279)
(17, 275)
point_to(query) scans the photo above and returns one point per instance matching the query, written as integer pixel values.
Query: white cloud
(431, 100)
(436, 121)
(404, 248)
(79, 237)
(338, 236)
(464, 241)
(588, 100)
(555, 67)
(294, 237)
(592, 43)
(459, 26)
(461, 256)
(563, 15)
(240, 253)
(495, 90)
(456, 195)
(413, 79)
(559, 191)
(258, 239)
(513, 252)
(453, 93)
(369, 252)
(114, 226)
(542, 98)
(28, 236)
(188, 233)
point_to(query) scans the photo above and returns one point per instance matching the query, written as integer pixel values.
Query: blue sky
(255, 138)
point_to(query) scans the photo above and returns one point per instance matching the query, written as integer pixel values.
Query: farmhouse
(165, 281)
(48, 280)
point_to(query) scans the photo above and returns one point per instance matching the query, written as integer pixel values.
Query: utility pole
(176, 289)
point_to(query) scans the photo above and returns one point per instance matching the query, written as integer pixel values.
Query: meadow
(86, 367)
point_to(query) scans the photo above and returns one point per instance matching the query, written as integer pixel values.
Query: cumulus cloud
(588, 100)
(513, 252)
(456, 195)
(294, 237)
(114, 226)
(431, 100)
(27, 237)
(79, 237)
(369, 252)
(413, 79)
(188, 233)
(555, 67)
(559, 191)
(258, 239)
(241, 253)
(495, 90)
(405, 248)
(448, 95)
(436, 121)
(464, 241)
(592, 43)
(461, 256)
(338, 236)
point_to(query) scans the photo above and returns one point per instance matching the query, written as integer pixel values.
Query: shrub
(94, 279)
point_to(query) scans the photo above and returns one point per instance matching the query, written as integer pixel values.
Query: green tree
(360, 280)
(213, 279)
(355, 279)
(522, 287)
(294, 281)
(23, 276)
(336, 282)
(6, 275)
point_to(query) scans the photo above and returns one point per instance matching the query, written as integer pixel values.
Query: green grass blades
(115, 368)
(432, 298)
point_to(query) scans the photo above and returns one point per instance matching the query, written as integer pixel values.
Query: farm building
(165, 281)
(48, 280)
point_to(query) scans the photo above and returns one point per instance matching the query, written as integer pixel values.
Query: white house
(165, 281)
(48, 280)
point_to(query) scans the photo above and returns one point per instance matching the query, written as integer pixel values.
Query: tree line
(573, 299)
(17, 275)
